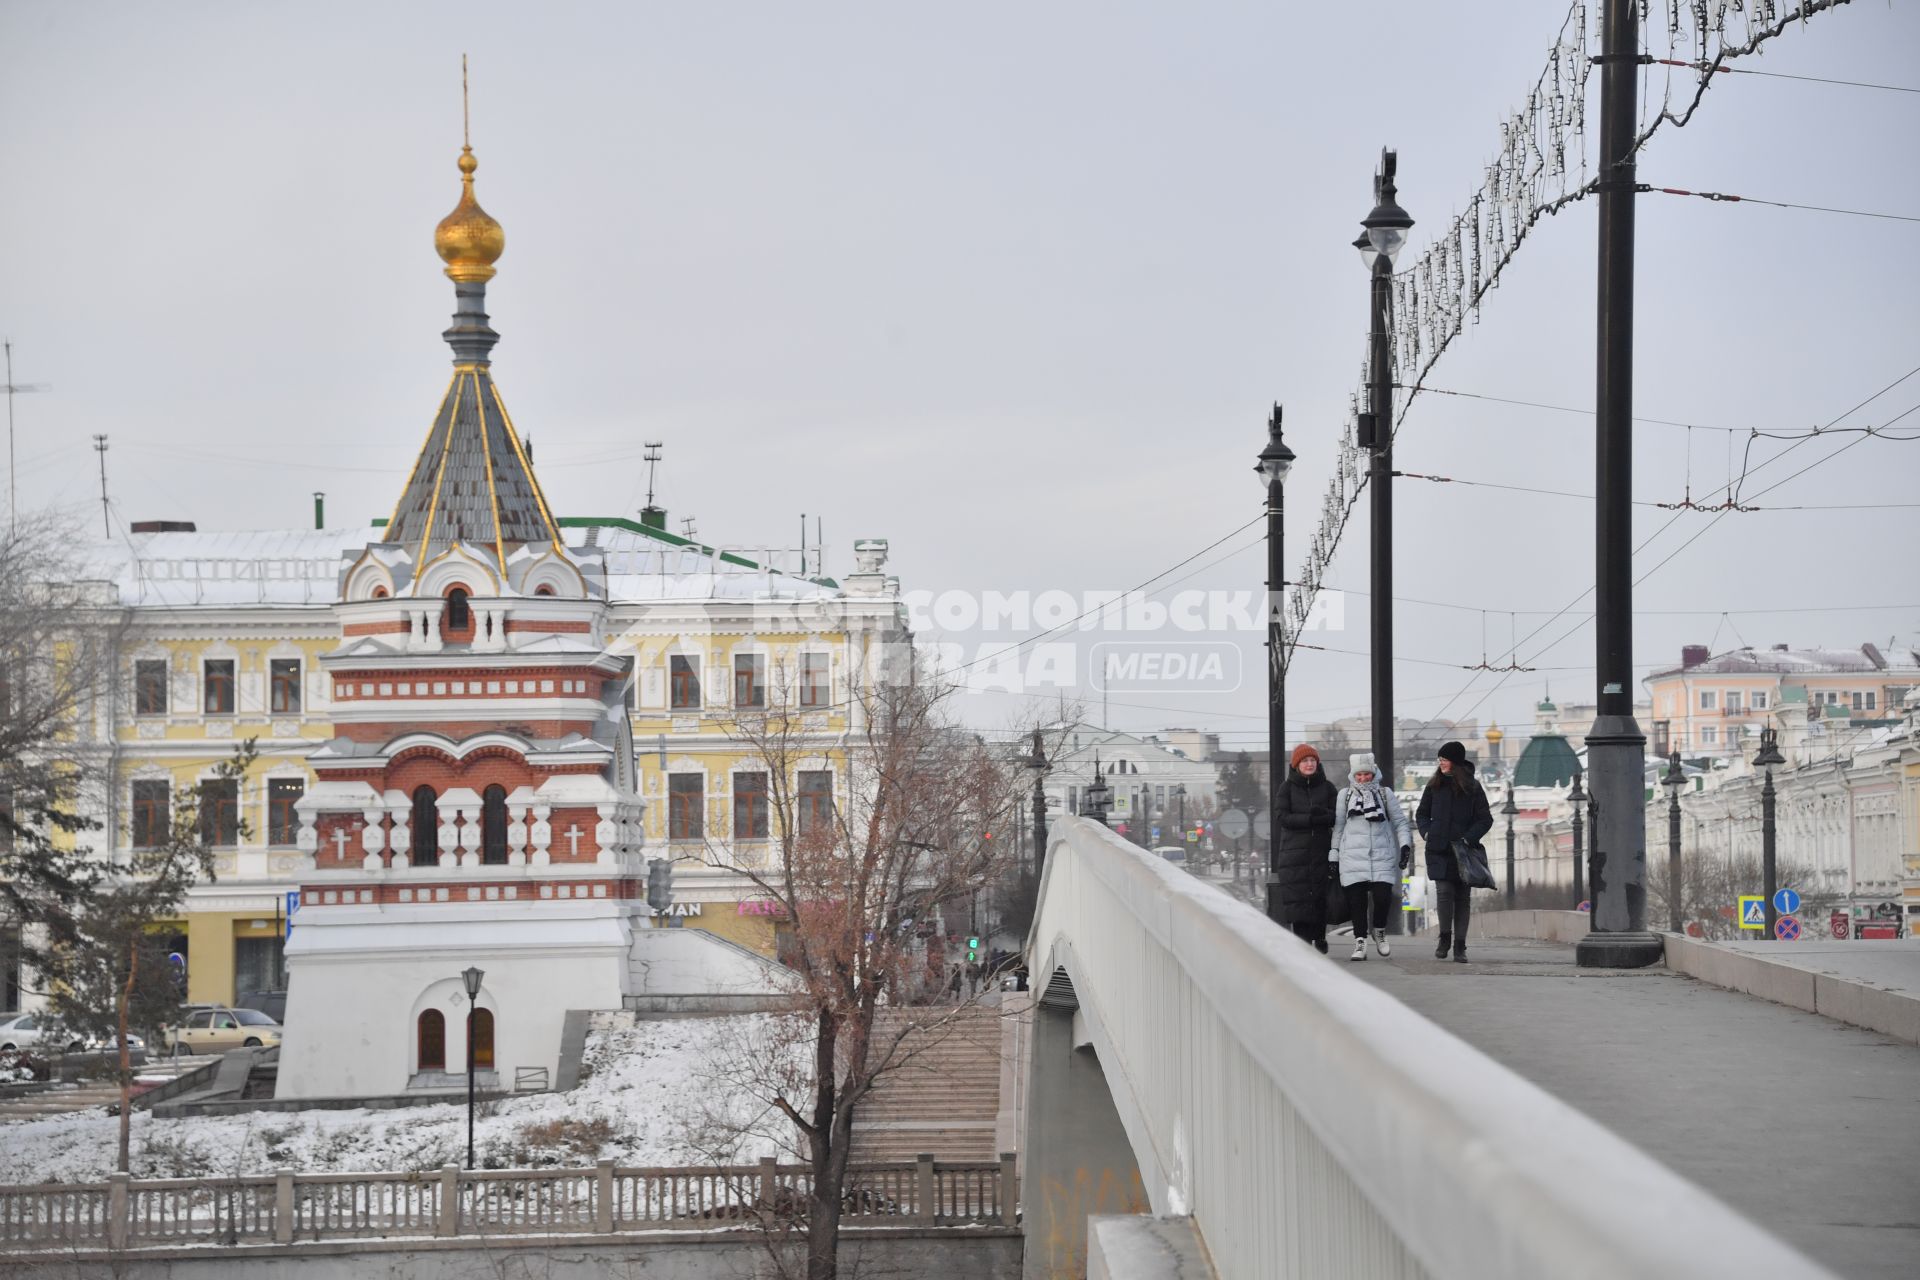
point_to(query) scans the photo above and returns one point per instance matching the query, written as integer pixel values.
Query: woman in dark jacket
(1305, 810)
(1453, 807)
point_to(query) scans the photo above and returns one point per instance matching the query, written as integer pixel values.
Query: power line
(1779, 75)
(1723, 198)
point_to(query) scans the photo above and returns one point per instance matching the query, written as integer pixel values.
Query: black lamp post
(1509, 809)
(1384, 234)
(471, 976)
(1039, 764)
(1099, 796)
(1577, 797)
(1386, 230)
(1675, 779)
(1769, 756)
(1274, 462)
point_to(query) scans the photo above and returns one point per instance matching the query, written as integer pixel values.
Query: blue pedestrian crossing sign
(1753, 912)
(1786, 902)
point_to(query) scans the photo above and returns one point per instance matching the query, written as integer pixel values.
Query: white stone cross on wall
(340, 843)
(573, 839)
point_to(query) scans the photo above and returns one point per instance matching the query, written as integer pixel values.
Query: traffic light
(660, 884)
(973, 950)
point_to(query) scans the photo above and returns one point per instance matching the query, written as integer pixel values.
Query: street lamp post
(1039, 764)
(1384, 232)
(1577, 797)
(1099, 795)
(1768, 757)
(1675, 779)
(1274, 462)
(1509, 809)
(471, 977)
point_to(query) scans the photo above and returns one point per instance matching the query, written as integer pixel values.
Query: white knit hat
(1361, 763)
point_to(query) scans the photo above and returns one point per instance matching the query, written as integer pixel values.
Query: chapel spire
(473, 481)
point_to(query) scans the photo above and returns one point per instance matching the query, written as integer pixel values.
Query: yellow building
(226, 633)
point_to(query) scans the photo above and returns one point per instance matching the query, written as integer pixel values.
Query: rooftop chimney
(1692, 655)
(1780, 648)
(1874, 656)
(653, 517)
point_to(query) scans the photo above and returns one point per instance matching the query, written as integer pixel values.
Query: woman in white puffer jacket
(1371, 843)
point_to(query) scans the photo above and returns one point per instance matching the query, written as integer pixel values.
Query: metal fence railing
(122, 1212)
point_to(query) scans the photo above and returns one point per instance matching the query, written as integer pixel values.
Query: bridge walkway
(1807, 1125)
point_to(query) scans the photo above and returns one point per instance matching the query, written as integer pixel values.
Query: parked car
(271, 1003)
(24, 1030)
(21, 1030)
(1172, 852)
(217, 1028)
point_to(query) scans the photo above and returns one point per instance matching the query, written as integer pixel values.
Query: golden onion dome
(1494, 734)
(468, 240)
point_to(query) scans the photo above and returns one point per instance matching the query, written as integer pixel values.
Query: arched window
(431, 1036)
(543, 590)
(493, 825)
(379, 593)
(459, 617)
(426, 827)
(482, 1047)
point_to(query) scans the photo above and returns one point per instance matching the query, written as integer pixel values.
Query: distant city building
(1716, 705)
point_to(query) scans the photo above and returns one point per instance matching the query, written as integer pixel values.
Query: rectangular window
(1707, 697)
(683, 675)
(220, 812)
(152, 814)
(150, 687)
(750, 806)
(814, 668)
(1759, 699)
(283, 824)
(284, 675)
(686, 806)
(1735, 702)
(219, 687)
(1709, 735)
(749, 681)
(813, 810)
(1159, 797)
(259, 964)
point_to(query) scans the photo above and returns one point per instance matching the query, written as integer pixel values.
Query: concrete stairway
(60, 1098)
(945, 1096)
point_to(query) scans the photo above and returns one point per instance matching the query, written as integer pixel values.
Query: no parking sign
(1787, 929)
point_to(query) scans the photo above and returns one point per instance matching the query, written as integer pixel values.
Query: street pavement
(1892, 963)
(1807, 1125)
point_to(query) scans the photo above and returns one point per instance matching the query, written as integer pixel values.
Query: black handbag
(1336, 895)
(1472, 861)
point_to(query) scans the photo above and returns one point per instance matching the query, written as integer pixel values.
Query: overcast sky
(1011, 285)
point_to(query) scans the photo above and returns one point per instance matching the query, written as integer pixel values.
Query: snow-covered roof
(238, 568)
(1814, 661)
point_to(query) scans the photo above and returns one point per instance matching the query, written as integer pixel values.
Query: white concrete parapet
(1311, 1125)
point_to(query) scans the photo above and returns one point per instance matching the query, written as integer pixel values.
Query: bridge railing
(121, 1213)
(1312, 1125)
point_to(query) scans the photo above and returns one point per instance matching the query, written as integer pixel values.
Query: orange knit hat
(1301, 752)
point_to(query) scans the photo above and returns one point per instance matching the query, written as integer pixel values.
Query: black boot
(1446, 941)
(1460, 954)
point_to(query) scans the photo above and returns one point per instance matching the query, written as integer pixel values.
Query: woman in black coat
(1305, 811)
(1453, 807)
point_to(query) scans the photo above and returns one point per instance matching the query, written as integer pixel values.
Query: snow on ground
(652, 1095)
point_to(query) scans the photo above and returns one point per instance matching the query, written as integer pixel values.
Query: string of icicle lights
(1544, 163)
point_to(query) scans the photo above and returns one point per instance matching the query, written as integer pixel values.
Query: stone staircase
(944, 1099)
(77, 1096)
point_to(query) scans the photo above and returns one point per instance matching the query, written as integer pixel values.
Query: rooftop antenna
(819, 545)
(100, 447)
(652, 459)
(803, 544)
(14, 388)
(687, 529)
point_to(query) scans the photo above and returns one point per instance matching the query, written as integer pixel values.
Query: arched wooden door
(483, 1039)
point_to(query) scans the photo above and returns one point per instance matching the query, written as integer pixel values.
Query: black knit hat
(1453, 751)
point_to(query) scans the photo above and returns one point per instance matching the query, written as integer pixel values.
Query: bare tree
(111, 975)
(859, 871)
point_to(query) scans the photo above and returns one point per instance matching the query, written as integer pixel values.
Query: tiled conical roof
(473, 481)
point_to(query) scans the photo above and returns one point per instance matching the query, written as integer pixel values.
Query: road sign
(1233, 824)
(1193, 837)
(1786, 902)
(1787, 928)
(1839, 924)
(1753, 912)
(1262, 825)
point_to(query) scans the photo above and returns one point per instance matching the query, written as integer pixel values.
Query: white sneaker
(1359, 949)
(1380, 943)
